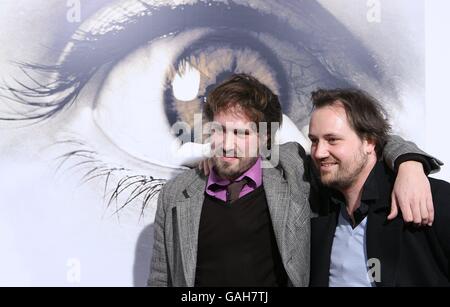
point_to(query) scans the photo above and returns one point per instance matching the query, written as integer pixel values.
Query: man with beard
(352, 244)
(246, 224)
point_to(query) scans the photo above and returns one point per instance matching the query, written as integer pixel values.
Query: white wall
(438, 82)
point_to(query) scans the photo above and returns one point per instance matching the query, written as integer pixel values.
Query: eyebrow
(239, 130)
(93, 49)
(328, 135)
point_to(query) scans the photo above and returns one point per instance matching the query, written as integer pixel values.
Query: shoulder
(295, 162)
(441, 201)
(175, 187)
(440, 185)
(440, 190)
(292, 155)
(292, 150)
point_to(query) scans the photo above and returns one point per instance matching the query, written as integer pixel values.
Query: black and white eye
(138, 67)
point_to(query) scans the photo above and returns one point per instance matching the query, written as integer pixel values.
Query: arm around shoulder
(396, 149)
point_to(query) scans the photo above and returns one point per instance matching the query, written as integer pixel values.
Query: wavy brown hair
(364, 113)
(250, 96)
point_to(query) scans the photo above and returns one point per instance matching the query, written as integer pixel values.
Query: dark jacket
(409, 256)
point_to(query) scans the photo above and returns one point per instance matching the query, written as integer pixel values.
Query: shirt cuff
(414, 157)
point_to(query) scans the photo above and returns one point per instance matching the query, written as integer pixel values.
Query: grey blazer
(178, 217)
(287, 190)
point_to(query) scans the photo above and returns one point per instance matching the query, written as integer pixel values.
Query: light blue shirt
(348, 265)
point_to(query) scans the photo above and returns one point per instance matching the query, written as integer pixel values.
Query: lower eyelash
(144, 186)
(135, 188)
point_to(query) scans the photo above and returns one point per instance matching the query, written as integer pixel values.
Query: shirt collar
(370, 193)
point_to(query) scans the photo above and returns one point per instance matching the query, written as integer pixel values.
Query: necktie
(234, 189)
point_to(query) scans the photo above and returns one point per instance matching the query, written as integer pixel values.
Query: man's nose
(229, 141)
(320, 151)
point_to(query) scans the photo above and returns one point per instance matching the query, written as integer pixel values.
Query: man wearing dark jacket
(352, 242)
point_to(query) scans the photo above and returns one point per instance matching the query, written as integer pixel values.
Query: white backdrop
(437, 67)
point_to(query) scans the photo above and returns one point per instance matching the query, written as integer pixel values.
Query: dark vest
(237, 245)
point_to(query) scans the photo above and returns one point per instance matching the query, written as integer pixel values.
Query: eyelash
(90, 51)
(135, 186)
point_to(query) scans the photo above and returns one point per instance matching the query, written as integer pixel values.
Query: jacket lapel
(383, 243)
(277, 194)
(282, 214)
(189, 210)
(384, 237)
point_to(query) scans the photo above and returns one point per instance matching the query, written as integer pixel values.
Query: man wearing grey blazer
(207, 233)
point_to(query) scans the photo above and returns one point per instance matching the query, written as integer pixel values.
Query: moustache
(327, 161)
(227, 153)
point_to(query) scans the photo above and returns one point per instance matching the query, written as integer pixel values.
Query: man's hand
(412, 193)
(206, 166)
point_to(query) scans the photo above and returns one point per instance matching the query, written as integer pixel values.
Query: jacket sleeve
(159, 271)
(398, 150)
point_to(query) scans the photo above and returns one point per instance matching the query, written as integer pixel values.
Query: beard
(233, 169)
(345, 174)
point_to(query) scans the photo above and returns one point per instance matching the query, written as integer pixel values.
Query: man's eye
(332, 141)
